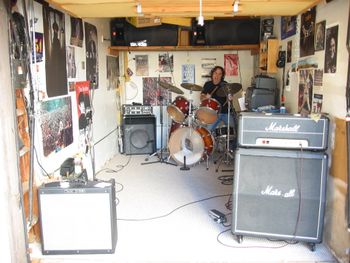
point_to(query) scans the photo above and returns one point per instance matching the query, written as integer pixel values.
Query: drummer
(210, 88)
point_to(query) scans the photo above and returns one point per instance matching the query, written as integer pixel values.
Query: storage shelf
(254, 48)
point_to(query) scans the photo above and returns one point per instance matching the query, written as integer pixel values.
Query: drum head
(176, 114)
(186, 142)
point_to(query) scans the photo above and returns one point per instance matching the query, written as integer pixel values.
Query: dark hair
(214, 69)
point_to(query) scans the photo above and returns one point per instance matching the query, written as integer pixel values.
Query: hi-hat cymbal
(191, 86)
(170, 87)
(229, 88)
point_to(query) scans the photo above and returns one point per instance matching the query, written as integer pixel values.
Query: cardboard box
(144, 21)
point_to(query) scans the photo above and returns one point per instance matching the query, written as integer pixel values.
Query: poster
(112, 72)
(77, 33)
(166, 62)
(55, 52)
(188, 73)
(91, 55)
(288, 26)
(306, 83)
(307, 32)
(320, 35)
(71, 65)
(141, 62)
(56, 124)
(82, 89)
(39, 47)
(207, 65)
(154, 94)
(231, 64)
(330, 60)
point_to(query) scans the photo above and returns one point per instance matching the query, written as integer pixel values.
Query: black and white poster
(330, 59)
(91, 55)
(55, 52)
(77, 33)
(307, 32)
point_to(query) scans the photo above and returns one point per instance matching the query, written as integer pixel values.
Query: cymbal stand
(227, 155)
(161, 159)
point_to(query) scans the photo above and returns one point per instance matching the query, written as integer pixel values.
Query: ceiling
(182, 8)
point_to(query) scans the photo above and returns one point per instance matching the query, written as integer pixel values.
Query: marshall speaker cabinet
(78, 217)
(279, 194)
(282, 131)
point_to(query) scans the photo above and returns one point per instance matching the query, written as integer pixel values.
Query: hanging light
(139, 8)
(200, 17)
(235, 6)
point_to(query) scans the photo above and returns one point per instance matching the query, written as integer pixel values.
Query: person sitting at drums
(210, 88)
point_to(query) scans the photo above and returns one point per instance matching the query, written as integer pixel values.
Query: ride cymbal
(229, 88)
(191, 86)
(170, 87)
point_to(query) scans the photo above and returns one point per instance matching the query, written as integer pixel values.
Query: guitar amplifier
(78, 217)
(282, 131)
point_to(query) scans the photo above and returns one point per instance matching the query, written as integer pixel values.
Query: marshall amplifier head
(282, 131)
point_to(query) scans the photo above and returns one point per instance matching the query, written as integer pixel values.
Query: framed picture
(320, 31)
(288, 26)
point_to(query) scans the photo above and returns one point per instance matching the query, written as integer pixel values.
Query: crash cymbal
(229, 88)
(191, 86)
(170, 87)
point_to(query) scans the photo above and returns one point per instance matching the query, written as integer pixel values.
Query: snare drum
(178, 109)
(208, 111)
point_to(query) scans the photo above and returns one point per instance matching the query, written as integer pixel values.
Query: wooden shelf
(253, 48)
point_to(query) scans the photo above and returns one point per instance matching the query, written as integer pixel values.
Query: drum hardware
(170, 87)
(159, 153)
(229, 89)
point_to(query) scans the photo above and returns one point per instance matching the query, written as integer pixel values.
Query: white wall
(186, 57)
(334, 103)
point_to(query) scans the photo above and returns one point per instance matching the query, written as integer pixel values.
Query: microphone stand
(227, 154)
(160, 157)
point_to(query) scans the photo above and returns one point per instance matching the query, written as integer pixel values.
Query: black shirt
(208, 89)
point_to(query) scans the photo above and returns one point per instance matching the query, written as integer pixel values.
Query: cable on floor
(172, 211)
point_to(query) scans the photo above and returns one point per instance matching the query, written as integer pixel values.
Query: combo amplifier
(78, 217)
(286, 203)
(282, 131)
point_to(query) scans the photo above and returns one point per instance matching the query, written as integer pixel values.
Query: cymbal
(191, 86)
(229, 88)
(170, 87)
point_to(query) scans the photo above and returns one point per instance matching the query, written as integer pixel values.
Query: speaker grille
(279, 194)
(139, 134)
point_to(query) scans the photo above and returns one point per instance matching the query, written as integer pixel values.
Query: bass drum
(208, 140)
(186, 143)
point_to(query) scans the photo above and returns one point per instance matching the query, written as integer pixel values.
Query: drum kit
(189, 139)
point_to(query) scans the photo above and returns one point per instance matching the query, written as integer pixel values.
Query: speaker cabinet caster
(312, 246)
(239, 239)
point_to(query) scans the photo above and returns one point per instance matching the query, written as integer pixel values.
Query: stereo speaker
(78, 217)
(139, 134)
(123, 33)
(227, 32)
(279, 194)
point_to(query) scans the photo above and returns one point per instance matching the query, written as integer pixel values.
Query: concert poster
(56, 124)
(82, 90)
(306, 83)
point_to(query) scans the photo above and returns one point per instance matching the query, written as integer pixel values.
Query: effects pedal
(217, 216)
